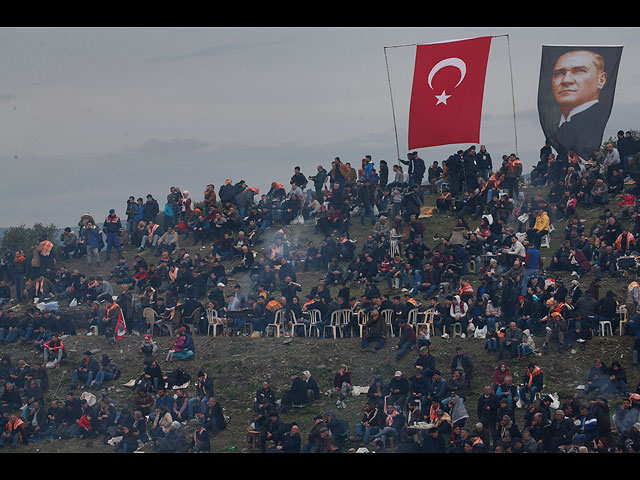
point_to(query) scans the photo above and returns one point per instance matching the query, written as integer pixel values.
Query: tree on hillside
(25, 238)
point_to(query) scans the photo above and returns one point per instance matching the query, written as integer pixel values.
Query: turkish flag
(446, 97)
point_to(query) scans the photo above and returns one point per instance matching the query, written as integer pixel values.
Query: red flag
(446, 98)
(121, 326)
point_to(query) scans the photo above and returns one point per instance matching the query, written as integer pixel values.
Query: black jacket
(291, 443)
(488, 408)
(432, 444)
(298, 391)
(215, 412)
(205, 388)
(151, 210)
(466, 362)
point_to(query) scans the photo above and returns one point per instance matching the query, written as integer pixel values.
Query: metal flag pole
(513, 98)
(393, 112)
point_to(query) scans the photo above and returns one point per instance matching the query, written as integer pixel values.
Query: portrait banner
(575, 95)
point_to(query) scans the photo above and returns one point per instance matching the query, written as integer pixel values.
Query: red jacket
(582, 260)
(54, 346)
(84, 422)
(407, 334)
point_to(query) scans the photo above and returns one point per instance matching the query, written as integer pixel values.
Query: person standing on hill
(151, 209)
(299, 179)
(319, 179)
(92, 241)
(366, 200)
(112, 228)
(384, 175)
(131, 211)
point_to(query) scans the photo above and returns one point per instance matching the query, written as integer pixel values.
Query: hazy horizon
(93, 115)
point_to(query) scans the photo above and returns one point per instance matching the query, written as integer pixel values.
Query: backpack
(177, 377)
(168, 211)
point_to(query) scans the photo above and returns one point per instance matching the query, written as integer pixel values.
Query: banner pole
(395, 128)
(513, 96)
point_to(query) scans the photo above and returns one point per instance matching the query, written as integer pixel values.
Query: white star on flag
(442, 98)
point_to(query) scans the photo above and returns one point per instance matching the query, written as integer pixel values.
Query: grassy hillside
(239, 364)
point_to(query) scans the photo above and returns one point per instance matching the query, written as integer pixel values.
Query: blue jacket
(590, 425)
(513, 398)
(92, 366)
(139, 215)
(367, 170)
(166, 401)
(419, 385)
(533, 259)
(92, 237)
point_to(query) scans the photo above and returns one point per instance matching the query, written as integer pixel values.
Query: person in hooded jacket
(174, 441)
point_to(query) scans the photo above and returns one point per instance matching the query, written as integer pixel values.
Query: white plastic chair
(457, 329)
(297, 322)
(544, 241)
(214, 322)
(387, 315)
(345, 320)
(363, 318)
(428, 320)
(624, 318)
(315, 316)
(334, 323)
(278, 322)
(412, 317)
(605, 326)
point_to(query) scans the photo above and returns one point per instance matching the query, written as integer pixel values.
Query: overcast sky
(93, 115)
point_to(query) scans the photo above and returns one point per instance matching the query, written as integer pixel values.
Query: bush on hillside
(25, 238)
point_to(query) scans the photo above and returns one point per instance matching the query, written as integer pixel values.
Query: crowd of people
(517, 299)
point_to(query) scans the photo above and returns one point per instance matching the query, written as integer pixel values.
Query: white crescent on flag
(448, 62)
